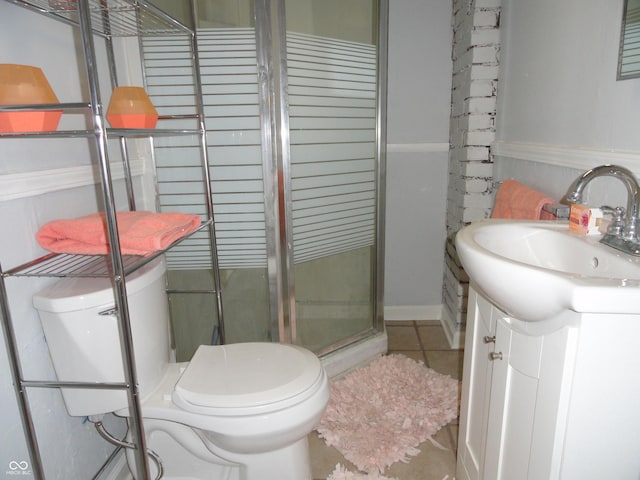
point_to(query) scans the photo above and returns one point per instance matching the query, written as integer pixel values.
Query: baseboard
(397, 313)
(455, 335)
(412, 312)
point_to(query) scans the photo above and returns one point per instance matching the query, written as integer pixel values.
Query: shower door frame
(271, 52)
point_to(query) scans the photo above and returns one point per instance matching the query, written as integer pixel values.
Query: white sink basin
(535, 270)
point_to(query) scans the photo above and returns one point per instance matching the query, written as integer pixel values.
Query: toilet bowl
(234, 412)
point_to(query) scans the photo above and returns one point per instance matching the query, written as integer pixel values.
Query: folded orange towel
(140, 233)
(517, 201)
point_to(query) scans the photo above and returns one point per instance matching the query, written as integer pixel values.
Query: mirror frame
(629, 51)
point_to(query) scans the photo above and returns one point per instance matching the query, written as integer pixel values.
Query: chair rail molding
(29, 184)
(567, 156)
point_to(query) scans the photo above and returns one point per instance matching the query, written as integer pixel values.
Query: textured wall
(475, 53)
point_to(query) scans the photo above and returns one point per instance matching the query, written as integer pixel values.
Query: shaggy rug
(379, 414)
(341, 473)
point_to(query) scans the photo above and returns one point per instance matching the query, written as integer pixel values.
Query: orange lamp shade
(26, 85)
(130, 107)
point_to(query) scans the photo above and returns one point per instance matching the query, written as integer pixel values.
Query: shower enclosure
(294, 95)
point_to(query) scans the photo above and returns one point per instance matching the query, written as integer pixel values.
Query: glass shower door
(332, 105)
(293, 120)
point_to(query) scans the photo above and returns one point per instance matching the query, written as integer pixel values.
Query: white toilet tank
(83, 336)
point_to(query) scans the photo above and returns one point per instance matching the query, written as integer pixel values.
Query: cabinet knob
(488, 339)
(495, 356)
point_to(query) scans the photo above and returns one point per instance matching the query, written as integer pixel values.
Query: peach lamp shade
(130, 107)
(26, 85)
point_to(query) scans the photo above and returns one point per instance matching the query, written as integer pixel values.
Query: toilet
(234, 412)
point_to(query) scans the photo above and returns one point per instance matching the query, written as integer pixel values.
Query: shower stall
(294, 99)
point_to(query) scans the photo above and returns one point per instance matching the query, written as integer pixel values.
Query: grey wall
(419, 97)
(560, 108)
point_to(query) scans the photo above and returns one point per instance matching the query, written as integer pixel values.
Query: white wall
(560, 108)
(419, 97)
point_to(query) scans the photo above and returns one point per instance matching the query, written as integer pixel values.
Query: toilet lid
(245, 375)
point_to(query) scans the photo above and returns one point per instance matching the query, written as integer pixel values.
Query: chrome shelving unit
(106, 19)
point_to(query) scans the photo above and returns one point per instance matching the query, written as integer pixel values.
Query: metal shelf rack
(106, 19)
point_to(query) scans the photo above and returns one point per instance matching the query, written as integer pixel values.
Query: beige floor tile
(402, 338)
(417, 355)
(453, 431)
(435, 323)
(433, 337)
(432, 463)
(447, 362)
(399, 323)
(324, 458)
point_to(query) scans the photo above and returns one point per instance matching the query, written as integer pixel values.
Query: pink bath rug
(341, 473)
(379, 414)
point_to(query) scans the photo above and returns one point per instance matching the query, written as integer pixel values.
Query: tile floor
(420, 340)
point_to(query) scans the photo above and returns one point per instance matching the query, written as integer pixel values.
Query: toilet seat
(247, 378)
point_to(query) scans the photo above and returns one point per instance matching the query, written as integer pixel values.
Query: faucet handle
(617, 225)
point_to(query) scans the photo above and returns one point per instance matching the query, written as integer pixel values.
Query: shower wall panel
(332, 98)
(332, 117)
(230, 97)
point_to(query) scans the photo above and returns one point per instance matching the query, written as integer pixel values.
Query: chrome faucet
(624, 237)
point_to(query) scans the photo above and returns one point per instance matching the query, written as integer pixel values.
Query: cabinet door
(530, 388)
(515, 397)
(476, 383)
(514, 386)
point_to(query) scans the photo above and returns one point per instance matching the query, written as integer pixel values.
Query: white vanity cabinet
(513, 397)
(550, 400)
(552, 393)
